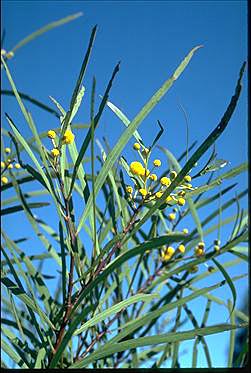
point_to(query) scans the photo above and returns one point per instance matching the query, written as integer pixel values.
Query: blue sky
(150, 39)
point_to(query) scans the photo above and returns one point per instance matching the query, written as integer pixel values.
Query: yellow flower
(187, 178)
(169, 199)
(9, 55)
(159, 194)
(173, 175)
(10, 166)
(143, 192)
(167, 253)
(17, 166)
(68, 137)
(4, 179)
(7, 150)
(198, 251)
(216, 247)
(136, 146)
(185, 231)
(165, 181)
(171, 216)
(51, 134)
(55, 153)
(2, 164)
(129, 189)
(3, 52)
(201, 245)
(153, 177)
(157, 162)
(136, 168)
(181, 201)
(181, 248)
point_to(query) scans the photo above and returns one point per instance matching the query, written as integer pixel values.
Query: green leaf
(114, 309)
(13, 209)
(12, 354)
(152, 340)
(46, 28)
(125, 137)
(229, 281)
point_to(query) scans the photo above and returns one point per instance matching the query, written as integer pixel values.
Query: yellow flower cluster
(8, 164)
(68, 137)
(167, 253)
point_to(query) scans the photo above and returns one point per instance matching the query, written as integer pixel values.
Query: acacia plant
(121, 294)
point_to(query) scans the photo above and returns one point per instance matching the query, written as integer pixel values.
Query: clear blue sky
(150, 38)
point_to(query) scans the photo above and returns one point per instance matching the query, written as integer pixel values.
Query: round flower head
(10, 166)
(55, 153)
(201, 245)
(136, 168)
(170, 250)
(159, 194)
(169, 199)
(129, 189)
(198, 251)
(136, 146)
(3, 52)
(216, 248)
(4, 179)
(187, 178)
(171, 216)
(17, 166)
(173, 175)
(165, 181)
(181, 201)
(7, 150)
(2, 164)
(143, 192)
(153, 177)
(185, 231)
(157, 162)
(68, 137)
(181, 249)
(51, 134)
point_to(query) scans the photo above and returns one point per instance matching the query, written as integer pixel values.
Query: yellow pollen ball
(2, 164)
(51, 134)
(185, 231)
(10, 166)
(55, 152)
(157, 162)
(198, 251)
(9, 55)
(4, 180)
(3, 52)
(181, 249)
(136, 146)
(7, 150)
(181, 201)
(201, 245)
(173, 175)
(136, 168)
(129, 189)
(143, 192)
(68, 137)
(216, 247)
(171, 216)
(17, 166)
(165, 181)
(159, 194)
(170, 250)
(169, 199)
(187, 178)
(153, 177)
